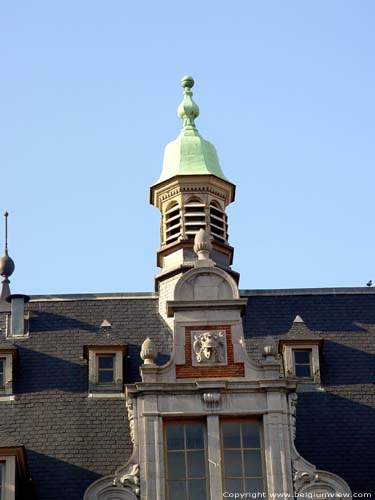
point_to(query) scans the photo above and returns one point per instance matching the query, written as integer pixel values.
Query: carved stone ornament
(292, 413)
(129, 479)
(311, 483)
(209, 347)
(269, 347)
(148, 352)
(202, 245)
(130, 407)
(212, 399)
(303, 478)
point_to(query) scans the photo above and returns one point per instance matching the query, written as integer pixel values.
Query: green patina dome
(189, 154)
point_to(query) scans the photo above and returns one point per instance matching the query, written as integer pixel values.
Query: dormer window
(8, 356)
(105, 369)
(301, 358)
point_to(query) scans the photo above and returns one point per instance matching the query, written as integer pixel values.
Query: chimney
(18, 325)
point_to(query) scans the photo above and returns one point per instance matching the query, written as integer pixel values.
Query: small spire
(188, 110)
(6, 265)
(6, 214)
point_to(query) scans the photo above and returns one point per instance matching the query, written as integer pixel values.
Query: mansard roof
(72, 440)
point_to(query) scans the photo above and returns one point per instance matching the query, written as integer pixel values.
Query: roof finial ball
(187, 81)
(188, 110)
(6, 263)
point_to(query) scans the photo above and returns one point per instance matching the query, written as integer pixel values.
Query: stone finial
(188, 110)
(148, 352)
(269, 348)
(202, 245)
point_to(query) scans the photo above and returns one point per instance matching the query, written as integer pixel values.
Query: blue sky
(89, 92)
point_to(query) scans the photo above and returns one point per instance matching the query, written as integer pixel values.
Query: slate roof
(72, 440)
(336, 425)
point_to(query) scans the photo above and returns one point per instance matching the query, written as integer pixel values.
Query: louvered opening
(195, 218)
(172, 223)
(218, 223)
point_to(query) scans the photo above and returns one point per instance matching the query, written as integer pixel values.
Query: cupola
(192, 194)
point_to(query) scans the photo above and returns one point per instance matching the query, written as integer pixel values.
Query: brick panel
(187, 370)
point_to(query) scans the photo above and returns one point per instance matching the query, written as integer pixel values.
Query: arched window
(195, 217)
(218, 223)
(172, 223)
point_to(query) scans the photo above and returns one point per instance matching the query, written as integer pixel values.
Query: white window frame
(112, 389)
(290, 346)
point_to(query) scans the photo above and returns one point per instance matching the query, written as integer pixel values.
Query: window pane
(303, 371)
(197, 489)
(252, 463)
(232, 463)
(234, 486)
(106, 376)
(254, 485)
(175, 437)
(231, 435)
(194, 436)
(1, 379)
(186, 468)
(196, 464)
(302, 357)
(176, 465)
(106, 362)
(177, 490)
(250, 435)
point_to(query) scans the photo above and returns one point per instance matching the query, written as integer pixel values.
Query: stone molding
(206, 284)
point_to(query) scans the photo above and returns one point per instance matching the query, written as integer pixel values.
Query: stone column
(277, 448)
(150, 435)
(214, 457)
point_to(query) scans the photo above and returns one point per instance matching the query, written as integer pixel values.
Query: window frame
(197, 420)
(92, 354)
(99, 370)
(261, 448)
(8, 483)
(9, 355)
(289, 347)
(295, 364)
(16, 477)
